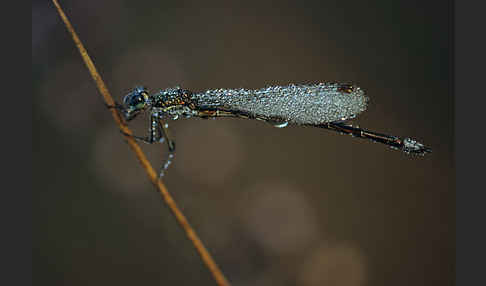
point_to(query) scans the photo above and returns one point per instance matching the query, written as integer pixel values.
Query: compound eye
(136, 99)
(139, 102)
(126, 99)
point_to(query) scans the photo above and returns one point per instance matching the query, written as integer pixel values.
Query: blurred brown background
(292, 206)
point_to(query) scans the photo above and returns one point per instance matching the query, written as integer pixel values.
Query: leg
(116, 106)
(164, 130)
(406, 145)
(153, 136)
(158, 132)
(127, 116)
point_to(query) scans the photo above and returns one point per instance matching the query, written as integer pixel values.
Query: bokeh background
(292, 206)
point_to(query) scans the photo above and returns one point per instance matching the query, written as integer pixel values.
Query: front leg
(128, 116)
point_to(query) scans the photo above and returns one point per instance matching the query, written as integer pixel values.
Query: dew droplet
(281, 124)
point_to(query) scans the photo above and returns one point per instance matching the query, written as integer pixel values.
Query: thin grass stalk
(180, 217)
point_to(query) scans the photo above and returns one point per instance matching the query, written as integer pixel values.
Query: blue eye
(136, 99)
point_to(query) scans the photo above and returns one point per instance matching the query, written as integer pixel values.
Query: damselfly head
(136, 100)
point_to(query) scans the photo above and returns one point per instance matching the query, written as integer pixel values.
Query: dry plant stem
(191, 234)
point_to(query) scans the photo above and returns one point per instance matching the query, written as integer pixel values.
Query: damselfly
(324, 105)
